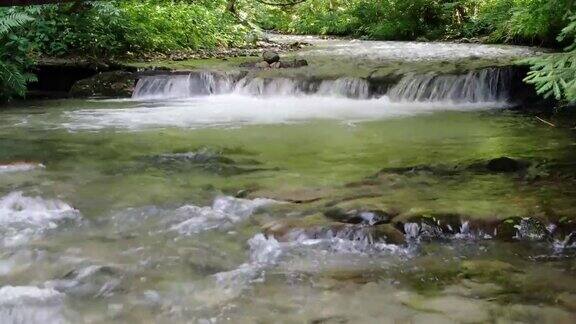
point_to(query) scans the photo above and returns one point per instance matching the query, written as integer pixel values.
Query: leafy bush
(14, 56)
(116, 27)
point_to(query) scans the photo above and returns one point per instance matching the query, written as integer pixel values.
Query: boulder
(270, 57)
(117, 84)
(505, 164)
(262, 65)
(276, 65)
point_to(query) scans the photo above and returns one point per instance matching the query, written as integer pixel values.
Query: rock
(567, 300)
(297, 195)
(367, 217)
(507, 229)
(294, 63)
(389, 234)
(270, 57)
(532, 229)
(505, 164)
(276, 65)
(117, 84)
(487, 269)
(262, 65)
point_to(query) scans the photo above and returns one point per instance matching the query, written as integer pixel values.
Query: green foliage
(554, 75)
(14, 56)
(514, 21)
(108, 28)
(523, 21)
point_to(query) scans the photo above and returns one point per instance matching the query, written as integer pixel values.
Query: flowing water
(152, 209)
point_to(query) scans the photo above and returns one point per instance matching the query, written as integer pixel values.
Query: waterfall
(183, 85)
(486, 85)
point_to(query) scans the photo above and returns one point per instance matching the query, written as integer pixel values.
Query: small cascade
(183, 85)
(211, 83)
(486, 85)
(491, 85)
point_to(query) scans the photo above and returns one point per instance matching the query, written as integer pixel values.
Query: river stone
(487, 269)
(270, 57)
(293, 64)
(276, 65)
(507, 230)
(262, 65)
(505, 164)
(389, 234)
(116, 84)
(567, 300)
(367, 217)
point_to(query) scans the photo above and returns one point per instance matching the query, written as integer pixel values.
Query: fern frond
(13, 20)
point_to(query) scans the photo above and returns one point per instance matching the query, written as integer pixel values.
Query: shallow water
(125, 211)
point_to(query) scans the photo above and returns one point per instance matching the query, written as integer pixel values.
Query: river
(207, 198)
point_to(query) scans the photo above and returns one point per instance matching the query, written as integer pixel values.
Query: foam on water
(237, 110)
(224, 212)
(29, 304)
(20, 167)
(24, 218)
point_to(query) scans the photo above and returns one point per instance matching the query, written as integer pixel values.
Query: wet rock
(276, 65)
(389, 234)
(367, 217)
(280, 229)
(430, 225)
(532, 229)
(458, 309)
(262, 65)
(270, 57)
(567, 300)
(293, 195)
(206, 159)
(507, 229)
(505, 164)
(117, 84)
(518, 228)
(293, 64)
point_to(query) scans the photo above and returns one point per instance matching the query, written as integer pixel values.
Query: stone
(389, 234)
(276, 65)
(367, 217)
(487, 269)
(567, 300)
(270, 57)
(505, 164)
(507, 230)
(116, 84)
(262, 65)
(294, 63)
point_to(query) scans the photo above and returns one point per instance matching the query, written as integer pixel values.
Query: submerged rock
(491, 270)
(206, 159)
(505, 164)
(117, 84)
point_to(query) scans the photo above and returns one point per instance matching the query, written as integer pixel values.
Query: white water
(224, 212)
(487, 85)
(20, 167)
(29, 304)
(24, 218)
(236, 110)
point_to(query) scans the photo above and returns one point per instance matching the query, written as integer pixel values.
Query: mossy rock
(116, 84)
(489, 270)
(389, 234)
